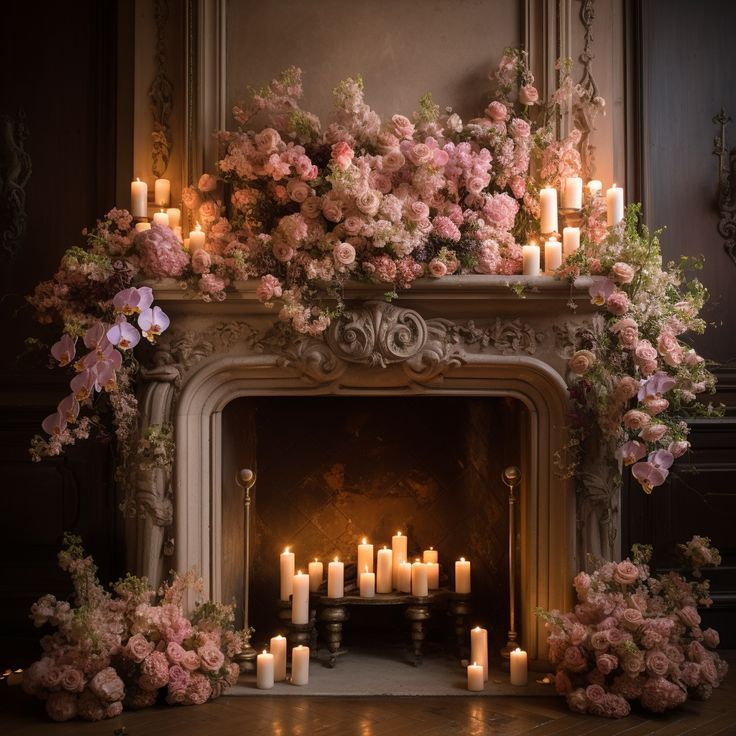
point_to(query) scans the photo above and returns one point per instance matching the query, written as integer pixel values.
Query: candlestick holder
(460, 609)
(511, 478)
(246, 479)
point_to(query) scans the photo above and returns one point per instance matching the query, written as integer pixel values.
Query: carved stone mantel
(469, 335)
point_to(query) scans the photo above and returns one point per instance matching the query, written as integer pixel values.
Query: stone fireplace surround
(460, 336)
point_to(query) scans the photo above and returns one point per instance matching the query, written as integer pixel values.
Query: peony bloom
(61, 706)
(618, 303)
(107, 686)
(269, 288)
(342, 155)
(201, 261)
(622, 273)
(635, 419)
(162, 255)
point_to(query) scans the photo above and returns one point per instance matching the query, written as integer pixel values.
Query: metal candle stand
(511, 478)
(246, 479)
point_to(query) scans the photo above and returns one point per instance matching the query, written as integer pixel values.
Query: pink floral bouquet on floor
(111, 651)
(636, 637)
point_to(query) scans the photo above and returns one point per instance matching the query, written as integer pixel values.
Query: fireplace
(470, 348)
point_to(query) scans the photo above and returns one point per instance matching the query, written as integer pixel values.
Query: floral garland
(634, 636)
(388, 202)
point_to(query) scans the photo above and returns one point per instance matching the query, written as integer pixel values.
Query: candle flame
(462, 559)
(336, 558)
(162, 210)
(366, 568)
(198, 227)
(298, 572)
(517, 650)
(265, 652)
(431, 549)
(364, 540)
(398, 534)
(613, 185)
(477, 628)
(418, 560)
(384, 546)
(286, 550)
(475, 664)
(316, 560)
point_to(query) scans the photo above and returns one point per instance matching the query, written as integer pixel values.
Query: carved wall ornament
(726, 185)
(576, 335)
(15, 171)
(161, 97)
(506, 336)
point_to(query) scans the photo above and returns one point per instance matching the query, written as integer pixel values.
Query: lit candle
(287, 574)
(419, 580)
(162, 192)
(572, 193)
(300, 665)
(278, 653)
(475, 677)
(403, 582)
(398, 547)
(462, 576)
(174, 214)
(384, 571)
(186, 243)
(300, 599)
(594, 187)
(570, 241)
(615, 201)
(430, 555)
(141, 226)
(518, 667)
(160, 218)
(316, 574)
(548, 204)
(335, 579)
(433, 575)
(138, 198)
(196, 238)
(479, 648)
(365, 558)
(264, 671)
(552, 255)
(367, 583)
(530, 260)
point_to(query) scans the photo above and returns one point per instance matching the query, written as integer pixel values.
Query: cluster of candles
(571, 200)
(166, 216)
(271, 665)
(478, 670)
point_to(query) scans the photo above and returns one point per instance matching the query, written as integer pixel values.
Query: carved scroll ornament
(15, 171)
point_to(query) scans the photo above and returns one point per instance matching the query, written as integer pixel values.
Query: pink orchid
(153, 322)
(600, 290)
(132, 300)
(649, 475)
(64, 350)
(630, 452)
(83, 383)
(661, 459)
(95, 335)
(123, 335)
(69, 408)
(54, 424)
(656, 385)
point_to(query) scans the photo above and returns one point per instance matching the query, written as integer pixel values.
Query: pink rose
(628, 333)
(606, 663)
(419, 154)
(211, 657)
(417, 211)
(61, 706)
(403, 127)
(368, 202)
(298, 190)
(179, 679)
(577, 701)
(633, 664)
(528, 95)
(209, 210)
(201, 261)
(269, 288)
(627, 387)
(631, 618)
(626, 573)
(656, 406)
(574, 660)
(175, 652)
(599, 641)
(622, 273)
(645, 356)
(207, 183)
(653, 432)
(332, 209)
(520, 128)
(282, 251)
(268, 140)
(342, 155)
(711, 639)
(581, 362)
(635, 419)
(311, 207)
(657, 662)
(618, 303)
(497, 111)
(72, 679)
(137, 648)
(595, 693)
(344, 254)
(689, 616)
(437, 268)
(190, 661)
(190, 198)
(669, 348)
(107, 686)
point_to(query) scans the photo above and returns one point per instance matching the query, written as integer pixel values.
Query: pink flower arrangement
(634, 636)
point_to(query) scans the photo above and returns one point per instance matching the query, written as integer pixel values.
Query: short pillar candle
(570, 241)
(300, 665)
(162, 192)
(433, 575)
(530, 260)
(264, 671)
(419, 581)
(462, 576)
(552, 256)
(367, 584)
(316, 575)
(278, 651)
(161, 218)
(430, 555)
(615, 203)
(572, 193)
(403, 584)
(518, 664)
(475, 677)
(138, 198)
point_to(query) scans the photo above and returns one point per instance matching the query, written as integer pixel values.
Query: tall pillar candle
(552, 256)
(162, 192)
(462, 576)
(433, 575)
(287, 573)
(430, 555)
(367, 584)
(479, 648)
(278, 650)
(335, 579)
(518, 665)
(316, 575)
(570, 241)
(548, 205)
(138, 198)
(530, 260)
(161, 218)
(174, 214)
(475, 677)
(365, 558)
(300, 599)
(398, 547)
(300, 665)
(264, 671)
(403, 582)
(419, 581)
(615, 202)
(572, 193)
(384, 571)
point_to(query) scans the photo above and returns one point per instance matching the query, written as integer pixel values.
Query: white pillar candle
(462, 576)
(141, 226)
(162, 192)
(403, 582)
(433, 575)
(475, 677)
(335, 579)
(552, 255)
(572, 193)
(365, 558)
(518, 667)
(615, 201)
(196, 238)
(548, 205)
(430, 555)
(530, 260)
(300, 665)
(174, 214)
(594, 187)
(300, 599)
(160, 218)
(186, 243)
(316, 575)
(419, 580)
(570, 241)
(384, 571)
(479, 648)
(287, 574)
(278, 652)
(367, 584)
(138, 198)
(398, 547)
(264, 671)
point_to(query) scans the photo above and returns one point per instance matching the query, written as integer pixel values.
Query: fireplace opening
(334, 469)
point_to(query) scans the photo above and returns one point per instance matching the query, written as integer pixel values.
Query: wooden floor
(412, 716)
